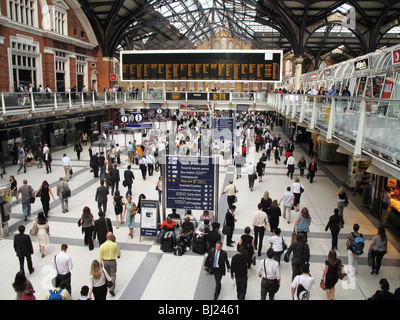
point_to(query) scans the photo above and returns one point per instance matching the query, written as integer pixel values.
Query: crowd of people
(192, 136)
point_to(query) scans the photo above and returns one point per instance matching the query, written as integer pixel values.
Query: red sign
(113, 77)
(396, 56)
(388, 88)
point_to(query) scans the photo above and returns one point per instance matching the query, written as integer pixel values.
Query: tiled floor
(145, 272)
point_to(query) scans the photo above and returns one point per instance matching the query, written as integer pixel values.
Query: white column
(360, 131)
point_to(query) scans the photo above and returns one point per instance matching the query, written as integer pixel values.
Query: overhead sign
(223, 128)
(131, 117)
(200, 65)
(190, 182)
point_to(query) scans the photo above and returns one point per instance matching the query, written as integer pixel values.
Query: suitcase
(199, 244)
(167, 245)
(180, 248)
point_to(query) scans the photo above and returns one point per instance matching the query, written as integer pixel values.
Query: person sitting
(168, 225)
(186, 232)
(203, 228)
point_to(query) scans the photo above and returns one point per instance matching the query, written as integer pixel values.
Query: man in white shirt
(287, 199)
(66, 162)
(290, 165)
(251, 170)
(306, 282)
(269, 271)
(63, 265)
(260, 221)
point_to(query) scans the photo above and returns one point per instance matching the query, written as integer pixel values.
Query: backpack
(358, 244)
(55, 295)
(302, 293)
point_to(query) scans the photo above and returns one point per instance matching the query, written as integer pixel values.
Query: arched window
(230, 45)
(288, 68)
(216, 45)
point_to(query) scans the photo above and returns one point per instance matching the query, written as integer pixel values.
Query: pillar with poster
(149, 218)
(5, 209)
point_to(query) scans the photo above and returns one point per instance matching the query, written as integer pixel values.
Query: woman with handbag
(378, 249)
(330, 276)
(278, 244)
(99, 281)
(42, 236)
(130, 213)
(119, 203)
(44, 192)
(302, 224)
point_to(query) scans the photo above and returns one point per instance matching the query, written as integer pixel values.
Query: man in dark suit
(95, 162)
(114, 178)
(101, 197)
(129, 177)
(47, 160)
(24, 249)
(215, 263)
(102, 226)
(230, 222)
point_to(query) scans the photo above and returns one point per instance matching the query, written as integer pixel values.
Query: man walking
(27, 192)
(215, 264)
(287, 199)
(109, 251)
(62, 189)
(260, 221)
(114, 178)
(47, 159)
(24, 249)
(128, 178)
(63, 265)
(239, 270)
(230, 222)
(66, 162)
(101, 197)
(230, 191)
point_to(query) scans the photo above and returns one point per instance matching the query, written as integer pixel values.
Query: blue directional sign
(190, 182)
(223, 128)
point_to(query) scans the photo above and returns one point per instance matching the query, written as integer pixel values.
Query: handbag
(341, 273)
(66, 193)
(109, 283)
(39, 194)
(34, 231)
(293, 236)
(284, 246)
(322, 284)
(235, 199)
(226, 229)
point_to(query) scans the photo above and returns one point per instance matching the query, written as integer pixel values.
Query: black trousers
(28, 262)
(218, 276)
(241, 288)
(88, 238)
(258, 238)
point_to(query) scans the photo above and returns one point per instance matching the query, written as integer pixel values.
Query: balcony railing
(368, 124)
(15, 103)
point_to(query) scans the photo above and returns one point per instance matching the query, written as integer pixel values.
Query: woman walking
(119, 203)
(87, 223)
(42, 237)
(330, 275)
(13, 186)
(303, 222)
(129, 213)
(378, 249)
(342, 201)
(98, 279)
(302, 165)
(278, 244)
(44, 192)
(297, 188)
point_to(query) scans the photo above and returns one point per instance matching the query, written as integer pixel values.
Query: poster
(149, 218)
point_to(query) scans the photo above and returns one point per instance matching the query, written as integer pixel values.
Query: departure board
(202, 65)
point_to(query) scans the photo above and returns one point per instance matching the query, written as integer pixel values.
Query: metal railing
(368, 124)
(13, 103)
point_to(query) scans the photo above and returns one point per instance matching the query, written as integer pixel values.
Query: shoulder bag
(34, 231)
(226, 229)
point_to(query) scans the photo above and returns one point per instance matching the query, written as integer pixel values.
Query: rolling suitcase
(199, 244)
(180, 248)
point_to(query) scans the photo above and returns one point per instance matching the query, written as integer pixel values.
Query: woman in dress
(330, 275)
(247, 241)
(266, 202)
(42, 237)
(44, 192)
(129, 213)
(87, 223)
(302, 224)
(119, 203)
(98, 278)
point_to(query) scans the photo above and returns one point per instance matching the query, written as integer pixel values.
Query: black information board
(199, 65)
(190, 182)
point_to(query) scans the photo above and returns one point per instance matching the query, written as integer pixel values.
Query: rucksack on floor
(357, 246)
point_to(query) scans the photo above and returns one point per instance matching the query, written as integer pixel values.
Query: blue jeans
(162, 233)
(26, 207)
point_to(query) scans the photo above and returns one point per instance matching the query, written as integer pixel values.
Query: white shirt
(291, 161)
(66, 162)
(64, 263)
(271, 270)
(250, 169)
(305, 280)
(287, 199)
(296, 187)
(276, 242)
(260, 219)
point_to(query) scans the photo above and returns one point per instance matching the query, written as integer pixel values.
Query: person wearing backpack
(57, 293)
(301, 284)
(355, 245)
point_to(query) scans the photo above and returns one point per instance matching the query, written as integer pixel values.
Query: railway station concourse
(118, 71)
